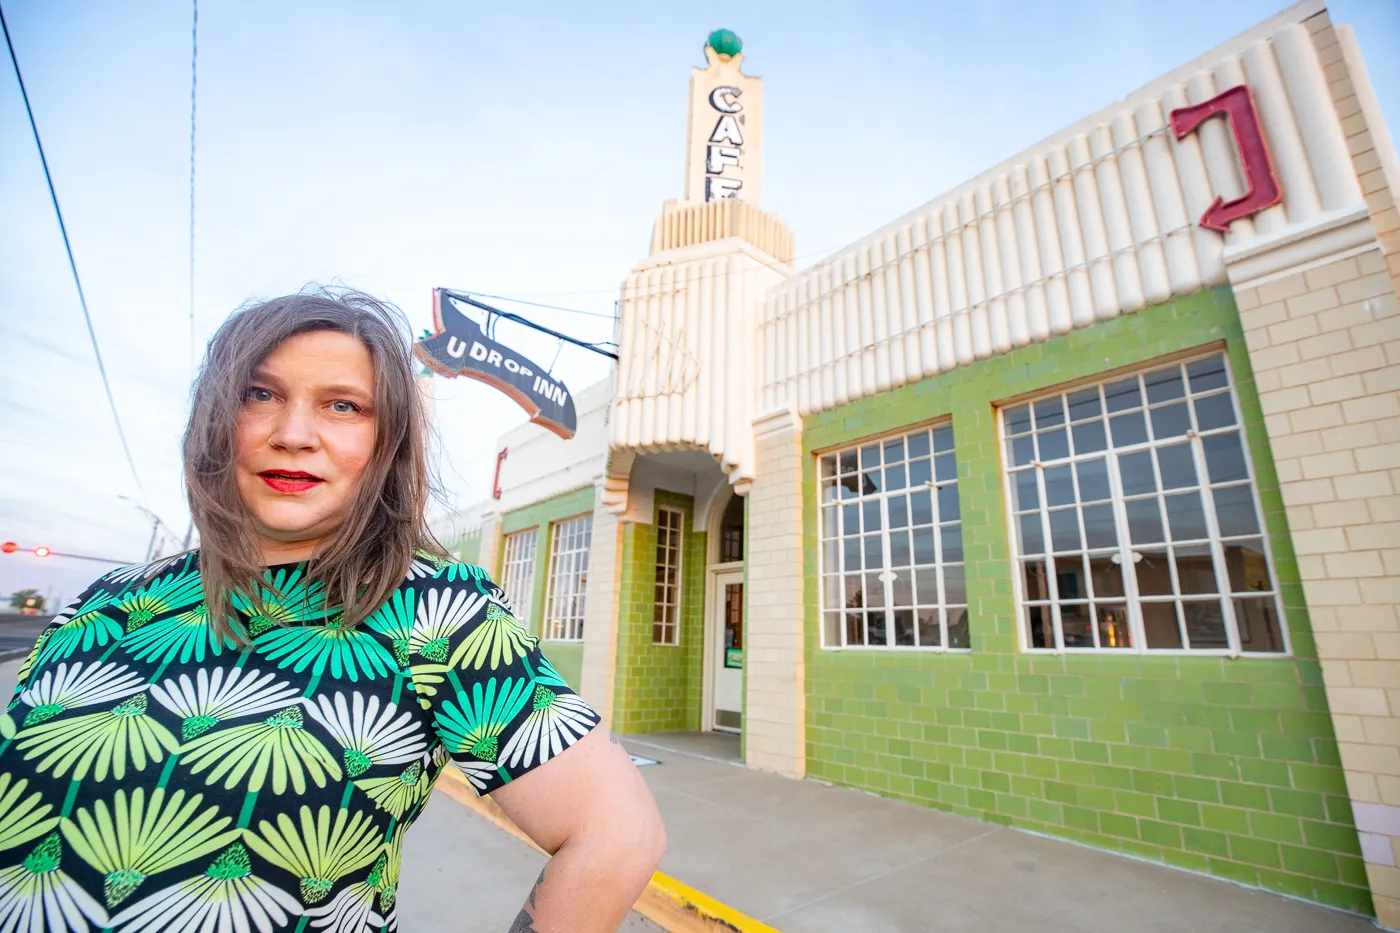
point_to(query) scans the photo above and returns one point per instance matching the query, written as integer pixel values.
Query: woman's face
(305, 434)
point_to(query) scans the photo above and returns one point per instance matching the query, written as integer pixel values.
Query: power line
(614, 290)
(194, 85)
(72, 263)
(536, 304)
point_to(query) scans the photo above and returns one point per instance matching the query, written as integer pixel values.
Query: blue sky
(512, 149)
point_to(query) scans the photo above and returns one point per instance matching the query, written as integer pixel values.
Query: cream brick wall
(598, 677)
(1329, 378)
(1368, 139)
(775, 698)
(1325, 346)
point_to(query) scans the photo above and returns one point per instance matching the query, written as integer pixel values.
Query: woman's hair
(369, 555)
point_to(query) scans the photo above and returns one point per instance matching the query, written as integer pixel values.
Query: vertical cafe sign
(726, 145)
(724, 149)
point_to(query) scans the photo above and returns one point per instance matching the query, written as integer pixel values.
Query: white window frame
(1125, 549)
(882, 496)
(569, 543)
(666, 610)
(518, 571)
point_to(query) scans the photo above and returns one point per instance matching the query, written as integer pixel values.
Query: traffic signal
(9, 547)
(42, 551)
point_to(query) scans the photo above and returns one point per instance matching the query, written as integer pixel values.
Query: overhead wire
(536, 304)
(614, 290)
(72, 263)
(194, 85)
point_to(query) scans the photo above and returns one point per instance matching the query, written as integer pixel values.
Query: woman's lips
(291, 483)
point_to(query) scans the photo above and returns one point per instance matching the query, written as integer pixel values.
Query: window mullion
(1083, 558)
(1126, 566)
(936, 531)
(1168, 541)
(886, 574)
(1051, 581)
(840, 568)
(1217, 547)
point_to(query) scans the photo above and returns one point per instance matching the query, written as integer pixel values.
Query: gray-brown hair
(369, 555)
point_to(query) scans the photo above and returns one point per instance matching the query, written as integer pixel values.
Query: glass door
(727, 646)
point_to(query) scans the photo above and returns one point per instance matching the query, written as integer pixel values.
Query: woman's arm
(590, 809)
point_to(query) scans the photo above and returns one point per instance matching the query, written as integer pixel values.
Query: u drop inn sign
(461, 348)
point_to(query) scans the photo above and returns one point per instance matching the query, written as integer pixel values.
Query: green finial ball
(725, 42)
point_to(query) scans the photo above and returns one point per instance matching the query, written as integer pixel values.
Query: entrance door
(726, 647)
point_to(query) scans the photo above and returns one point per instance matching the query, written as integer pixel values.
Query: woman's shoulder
(135, 576)
(440, 568)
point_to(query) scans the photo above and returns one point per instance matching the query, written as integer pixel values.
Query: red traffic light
(9, 547)
(42, 551)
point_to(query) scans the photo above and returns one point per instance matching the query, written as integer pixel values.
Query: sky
(520, 150)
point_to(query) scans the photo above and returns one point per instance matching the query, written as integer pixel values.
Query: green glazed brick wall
(1223, 766)
(468, 547)
(564, 505)
(658, 686)
(567, 657)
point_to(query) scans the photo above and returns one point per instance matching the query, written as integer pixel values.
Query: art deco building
(1066, 500)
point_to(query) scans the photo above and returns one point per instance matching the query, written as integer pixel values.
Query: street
(17, 634)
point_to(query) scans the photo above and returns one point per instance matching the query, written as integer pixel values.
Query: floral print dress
(155, 777)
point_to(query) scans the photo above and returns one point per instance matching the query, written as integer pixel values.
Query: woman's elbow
(655, 840)
(647, 836)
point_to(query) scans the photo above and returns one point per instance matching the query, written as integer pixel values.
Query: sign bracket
(460, 346)
(493, 312)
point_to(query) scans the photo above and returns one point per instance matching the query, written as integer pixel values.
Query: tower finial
(725, 42)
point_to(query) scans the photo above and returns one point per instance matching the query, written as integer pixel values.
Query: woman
(238, 738)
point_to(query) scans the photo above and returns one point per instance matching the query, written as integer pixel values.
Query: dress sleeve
(497, 704)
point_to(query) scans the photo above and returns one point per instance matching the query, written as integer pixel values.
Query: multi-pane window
(568, 579)
(518, 571)
(1135, 515)
(891, 544)
(666, 611)
(731, 531)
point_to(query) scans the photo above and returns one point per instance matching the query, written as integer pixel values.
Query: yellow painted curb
(670, 904)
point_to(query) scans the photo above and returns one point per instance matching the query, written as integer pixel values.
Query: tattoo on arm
(525, 920)
(612, 737)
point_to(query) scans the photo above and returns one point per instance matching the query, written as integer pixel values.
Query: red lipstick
(290, 482)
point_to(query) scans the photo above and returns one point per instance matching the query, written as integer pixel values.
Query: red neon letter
(496, 483)
(1238, 105)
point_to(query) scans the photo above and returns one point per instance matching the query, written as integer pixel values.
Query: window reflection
(1135, 518)
(891, 556)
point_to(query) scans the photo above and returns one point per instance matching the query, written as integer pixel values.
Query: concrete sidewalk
(805, 857)
(462, 873)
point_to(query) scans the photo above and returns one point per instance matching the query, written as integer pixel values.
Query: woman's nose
(295, 429)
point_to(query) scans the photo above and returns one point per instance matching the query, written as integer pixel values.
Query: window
(1136, 521)
(731, 531)
(518, 571)
(665, 620)
(891, 545)
(568, 579)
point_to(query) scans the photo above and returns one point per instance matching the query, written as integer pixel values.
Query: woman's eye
(256, 394)
(344, 408)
